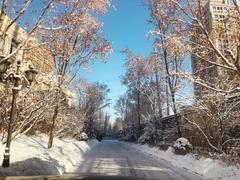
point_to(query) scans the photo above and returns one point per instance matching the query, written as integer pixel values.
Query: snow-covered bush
(213, 122)
(83, 136)
(182, 146)
(151, 135)
(146, 137)
(129, 136)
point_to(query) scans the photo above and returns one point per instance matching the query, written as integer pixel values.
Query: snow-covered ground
(208, 168)
(117, 160)
(29, 156)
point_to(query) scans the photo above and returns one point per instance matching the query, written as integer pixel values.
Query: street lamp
(4, 66)
(31, 74)
(14, 77)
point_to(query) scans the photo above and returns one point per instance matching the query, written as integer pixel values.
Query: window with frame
(1, 44)
(14, 46)
(231, 2)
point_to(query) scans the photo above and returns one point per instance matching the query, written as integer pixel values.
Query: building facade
(216, 20)
(13, 37)
(38, 56)
(32, 53)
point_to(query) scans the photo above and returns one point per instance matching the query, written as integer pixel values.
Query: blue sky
(125, 25)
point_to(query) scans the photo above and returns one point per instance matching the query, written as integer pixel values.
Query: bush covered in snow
(182, 146)
(146, 137)
(83, 136)
(151, 134)
(130, 137)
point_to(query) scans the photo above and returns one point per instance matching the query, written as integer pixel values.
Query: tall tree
(168, 45)
(92, 99)
(137, 79)
(74, 37)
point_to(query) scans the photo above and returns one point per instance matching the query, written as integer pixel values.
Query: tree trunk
(54, 118)
(221, 140)
(158, 95)
(171, 86)
(138, 113)
(175, 114)
(168, 105)
(138, 103)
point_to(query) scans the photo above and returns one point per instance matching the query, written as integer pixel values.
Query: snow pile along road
(206, 167)
(29, 156)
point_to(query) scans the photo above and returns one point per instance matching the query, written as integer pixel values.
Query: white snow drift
(206, 167)
(29, 156)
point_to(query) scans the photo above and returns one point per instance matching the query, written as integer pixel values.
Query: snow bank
(29, 156)
(208, 168)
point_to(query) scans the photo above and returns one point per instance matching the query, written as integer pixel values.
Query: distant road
(112, 158)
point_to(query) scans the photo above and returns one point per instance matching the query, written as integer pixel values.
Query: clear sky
(125, 25)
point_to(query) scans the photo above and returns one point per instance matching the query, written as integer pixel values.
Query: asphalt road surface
(116, 159)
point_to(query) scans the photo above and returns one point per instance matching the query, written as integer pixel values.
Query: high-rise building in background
(215, 16)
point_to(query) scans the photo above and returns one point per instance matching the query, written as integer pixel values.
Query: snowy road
(114, 158)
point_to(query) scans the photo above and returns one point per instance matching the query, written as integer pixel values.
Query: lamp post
(3, 68)
(16, 79)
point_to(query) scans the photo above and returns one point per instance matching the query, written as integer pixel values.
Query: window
(231, 2)
(1, 44)
(14, 46)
